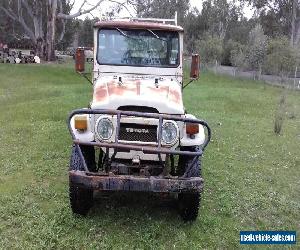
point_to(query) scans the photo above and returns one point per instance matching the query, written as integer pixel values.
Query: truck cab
(136, 124)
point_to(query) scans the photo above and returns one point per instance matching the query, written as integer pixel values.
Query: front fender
(84, 136)
(197, 140)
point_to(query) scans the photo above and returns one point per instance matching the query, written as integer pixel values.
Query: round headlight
(169, 133)
(105, 128)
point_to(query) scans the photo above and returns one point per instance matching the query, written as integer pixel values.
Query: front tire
(189, 203)
(81, 199)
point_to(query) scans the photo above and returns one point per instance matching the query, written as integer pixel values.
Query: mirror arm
(188, 83)
(84, 74)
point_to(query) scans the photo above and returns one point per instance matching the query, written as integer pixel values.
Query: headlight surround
(169, 133)
(105, 128)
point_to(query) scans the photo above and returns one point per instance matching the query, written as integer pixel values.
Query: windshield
(138, 48)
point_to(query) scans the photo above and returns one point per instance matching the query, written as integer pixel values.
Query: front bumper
(136, 183)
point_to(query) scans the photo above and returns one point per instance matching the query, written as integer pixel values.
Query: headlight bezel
(98, 123)
(176, 137)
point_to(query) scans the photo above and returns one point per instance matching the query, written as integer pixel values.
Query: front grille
(143, 109)
(138, 132)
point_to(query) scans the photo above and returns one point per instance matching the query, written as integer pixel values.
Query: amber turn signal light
(192, 128)
(80, 122)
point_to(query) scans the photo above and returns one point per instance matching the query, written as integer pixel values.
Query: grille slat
(138, 132)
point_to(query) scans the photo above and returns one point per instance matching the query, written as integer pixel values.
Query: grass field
(252, 176)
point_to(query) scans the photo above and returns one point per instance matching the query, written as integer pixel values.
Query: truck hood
(165, 96)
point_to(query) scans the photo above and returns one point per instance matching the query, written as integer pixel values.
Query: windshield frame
(139, 65)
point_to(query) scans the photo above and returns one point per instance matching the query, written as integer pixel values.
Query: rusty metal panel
(137, 25)
(136, 183)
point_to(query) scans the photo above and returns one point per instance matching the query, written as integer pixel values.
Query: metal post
(295, 76)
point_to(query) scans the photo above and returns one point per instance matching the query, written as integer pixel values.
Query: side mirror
(79, 60)
(195, 67)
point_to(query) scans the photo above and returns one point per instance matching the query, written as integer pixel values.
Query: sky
(124, 13)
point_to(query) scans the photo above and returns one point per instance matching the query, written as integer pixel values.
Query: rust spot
(137, 25)
(175, 96)
(126, 88)
(136, 183)
(161, 90)
(100, 93)
(138, 87)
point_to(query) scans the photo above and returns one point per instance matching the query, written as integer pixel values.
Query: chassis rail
(146, 149)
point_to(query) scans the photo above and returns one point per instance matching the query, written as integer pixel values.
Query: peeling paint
(166, 97)
(100, 93)
(175, 96)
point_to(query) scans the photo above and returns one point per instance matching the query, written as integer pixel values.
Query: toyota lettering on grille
(137, 130)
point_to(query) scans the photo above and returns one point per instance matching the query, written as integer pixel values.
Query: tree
(210, 49)
(237, 55)
(224, 19)
(86, 32)
(20, 12)
(273, 23)
(295, 23)
(162, 8)
(64, 36)
(38, 20)
(237, 34)
(55, 12)
(256, 49)
(281, 57)
(286, 12)
(219, 14)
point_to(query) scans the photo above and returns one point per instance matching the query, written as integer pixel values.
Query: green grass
(252, 177)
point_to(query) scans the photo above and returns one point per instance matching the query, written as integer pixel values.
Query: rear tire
(188, 203)
(81, 199)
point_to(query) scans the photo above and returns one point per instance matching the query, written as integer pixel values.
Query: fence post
(295, 76)
(216, 67)
(259, 72)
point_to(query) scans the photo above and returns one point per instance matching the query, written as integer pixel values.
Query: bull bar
(108, 181)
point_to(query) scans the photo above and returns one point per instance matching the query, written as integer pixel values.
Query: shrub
(210, 49)
(256, 49)
(280, 114)
(237, 56)
(281, 57)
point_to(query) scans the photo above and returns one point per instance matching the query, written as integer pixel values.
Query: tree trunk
(38, 31)
(295, 76)
(50, 37)
(259, 72)
(216, 65)
(39, 47)
(293, 22)
(297, 34)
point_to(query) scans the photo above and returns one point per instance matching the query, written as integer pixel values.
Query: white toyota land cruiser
(127, 138)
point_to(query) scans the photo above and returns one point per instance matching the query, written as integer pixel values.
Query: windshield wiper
(156, 36)
(121, 31)
(123, 34)
(151, 31)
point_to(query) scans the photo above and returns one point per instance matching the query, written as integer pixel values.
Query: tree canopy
(220, 31)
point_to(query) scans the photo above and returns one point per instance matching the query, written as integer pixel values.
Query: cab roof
(137, 25)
